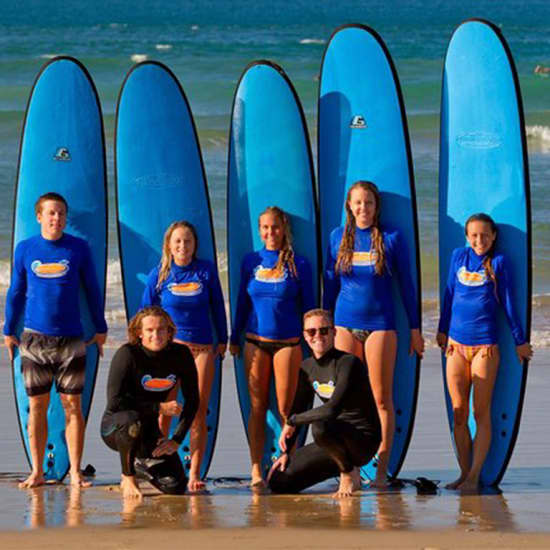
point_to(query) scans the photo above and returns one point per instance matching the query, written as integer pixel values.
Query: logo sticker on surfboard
(62, 154)
(50, 270)
(185, 289)
(471, 278)
(358, 121)
(269, 274)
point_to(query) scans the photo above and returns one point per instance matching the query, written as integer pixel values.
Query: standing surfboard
(270, 164)
(63, 150)
(363, 135)
(483, 168)
(160, 179)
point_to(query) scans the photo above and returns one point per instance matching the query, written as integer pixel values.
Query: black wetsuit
(345, 428)
(139, 380)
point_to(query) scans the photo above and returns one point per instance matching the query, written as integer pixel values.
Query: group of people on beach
(170, 348)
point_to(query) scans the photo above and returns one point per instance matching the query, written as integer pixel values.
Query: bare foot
(129, 488)
(34, 480)
(357, 481)
(78, 480)
(456, 483)
(258, 486)
(379, 483)
(346, 487)
(196, 485)
(469, 485)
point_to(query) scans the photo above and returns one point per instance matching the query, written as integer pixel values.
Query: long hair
(134, 327)
(344, 258)
(286, 253)
(487, 261)
(166, 258)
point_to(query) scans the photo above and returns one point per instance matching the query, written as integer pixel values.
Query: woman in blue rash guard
(362, 259)
(275, 290)
(188, 288)
(479, 281)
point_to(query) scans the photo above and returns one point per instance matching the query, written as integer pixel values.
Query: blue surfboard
(63, 150)
(483, 168)
(270, 164)
(363, 135)
(160, 179)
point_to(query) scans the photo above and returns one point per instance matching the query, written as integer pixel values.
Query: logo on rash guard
(364, 258)
(324, 390)
(269, 274)
(471, 278)
(51, 270)
(185, 289)
(158, 384)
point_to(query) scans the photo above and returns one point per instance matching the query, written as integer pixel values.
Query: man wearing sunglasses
(345, 428)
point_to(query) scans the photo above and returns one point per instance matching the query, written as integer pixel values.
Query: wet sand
(231, 516)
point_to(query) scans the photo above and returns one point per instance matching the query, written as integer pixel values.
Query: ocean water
(208, 44)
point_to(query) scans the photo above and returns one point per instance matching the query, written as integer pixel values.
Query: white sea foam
(538, 132)
(312, 41)
(4, 273)
(194, 27)
(163, 46)
(49, 55)
(138, 57)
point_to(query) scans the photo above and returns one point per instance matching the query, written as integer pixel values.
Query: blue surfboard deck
(363, 134)
(483, 168)
(270, 164)
(63, 112)
(160, 179)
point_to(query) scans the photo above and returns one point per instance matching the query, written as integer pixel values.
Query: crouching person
(143, 372)
(345, 428)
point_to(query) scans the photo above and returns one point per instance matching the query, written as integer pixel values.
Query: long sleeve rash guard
(45, 281)
(362, 299)
(271, 304)
(470, 302)
(189, 295)
(140, 379)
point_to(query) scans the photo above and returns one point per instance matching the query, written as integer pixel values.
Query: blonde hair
(166, 258)
(344, 258)
(286, 253)
(327, 315)
(134, 327)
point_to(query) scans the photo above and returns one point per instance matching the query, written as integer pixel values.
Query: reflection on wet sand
(488, 512)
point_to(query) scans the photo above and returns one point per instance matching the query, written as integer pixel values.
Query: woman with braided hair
(275, 291)
(362, 259)
(479, 281)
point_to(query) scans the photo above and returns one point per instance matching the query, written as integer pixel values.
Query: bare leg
(484, 372)
(286, 368)
(258, 371)
(459, 382)
(129, 488)
(380, 352)
(344, 341)
(349, 482)
(38, 434)
(74, 433)
(204, 362)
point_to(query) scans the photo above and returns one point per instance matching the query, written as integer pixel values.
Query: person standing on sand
(143, 373)
(345, 428)
(47, 272)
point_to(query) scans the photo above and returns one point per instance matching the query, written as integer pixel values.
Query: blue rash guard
(45, 282)
(470, 303)
(271, 304)
(189, 294)
(361, 299)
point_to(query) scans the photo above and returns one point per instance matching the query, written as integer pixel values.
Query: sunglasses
(311, 332)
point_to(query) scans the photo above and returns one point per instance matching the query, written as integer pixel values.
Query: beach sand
(232, 517)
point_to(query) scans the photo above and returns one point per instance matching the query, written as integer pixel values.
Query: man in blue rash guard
(345, 428)
(47, 272)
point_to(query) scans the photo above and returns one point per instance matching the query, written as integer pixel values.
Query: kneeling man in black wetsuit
(345, 428)
(143, 372)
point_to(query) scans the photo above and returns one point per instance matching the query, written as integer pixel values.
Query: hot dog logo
(471, 278)
(364, 258)
(185, 289)
(324, 390)
(158, 384)
(50, 270)
(269, 274)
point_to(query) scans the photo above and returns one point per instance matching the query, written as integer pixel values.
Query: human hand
(280, 464)
(417, 343)
(170, 408)
(166, 447)
(11, 342)
(441, 340)
(286, 433)
(235, 350)
(99, 339)
(220, 350)
(524, 352)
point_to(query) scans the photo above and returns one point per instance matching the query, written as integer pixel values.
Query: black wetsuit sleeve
(190, 392)
(117, 391)
(330, 409)
(302, 402)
